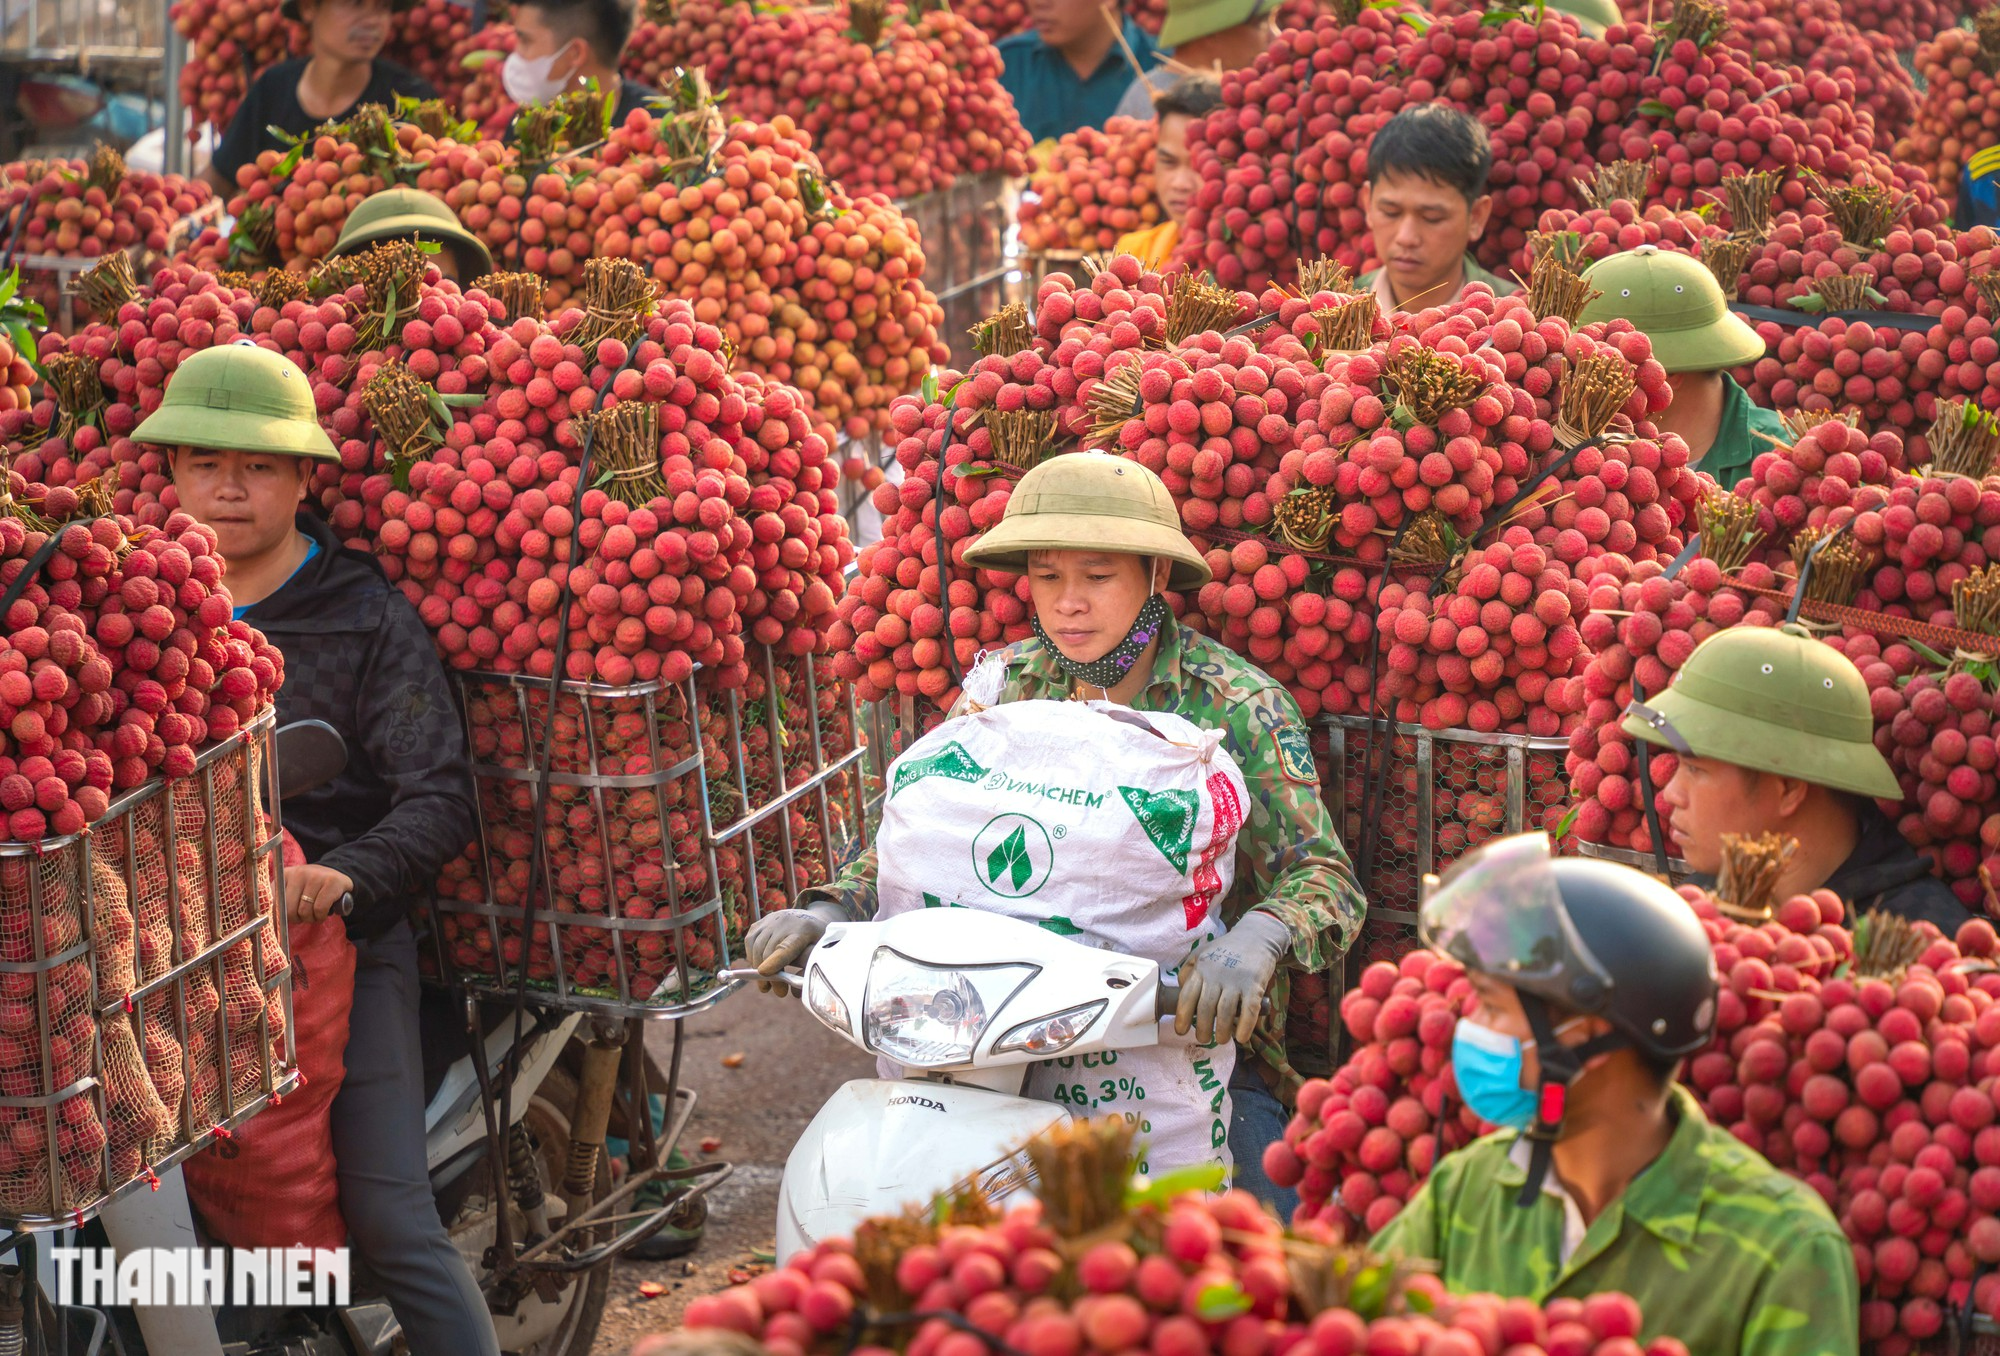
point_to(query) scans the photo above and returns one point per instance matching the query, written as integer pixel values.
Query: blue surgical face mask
(1487, 1067)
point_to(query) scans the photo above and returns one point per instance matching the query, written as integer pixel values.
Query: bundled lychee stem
(519, 294)
(279, 286)
(1305, 517)
(1021, 438)
(388, 277)
(1975, 601)
(108, 286)
(400, 405)
(617, 297)
(1843, 292)
(1621, 180)
(1006, 332)
(1598, 388)
(1321, 274)
(1427, 539)
(1728, 528)
(1699, 22)
(1748, 200)
(1559, 291)
(1831, 565)
(625, 441)
(1348, 327)
(1429, 384)
(1195, 304)
(1747, 881)
(1863, 212)
(1081, 1170)
(1113, 402)
(72, 381)
(1725, 257)
(1964, 441)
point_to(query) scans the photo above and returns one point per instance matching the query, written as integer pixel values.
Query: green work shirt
(1720, 1249)
(1745, 432)
(1051, 98)
(1473, 274)
(1289, 863)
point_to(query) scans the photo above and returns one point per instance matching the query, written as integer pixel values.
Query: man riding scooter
(1100, 542)
(245, 435)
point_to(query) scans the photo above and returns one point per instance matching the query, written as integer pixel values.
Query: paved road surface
(791, 1064)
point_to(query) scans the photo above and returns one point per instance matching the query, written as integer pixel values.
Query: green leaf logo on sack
(950, 761)
(1168, 818)
(1207, 880)
(1013, 856)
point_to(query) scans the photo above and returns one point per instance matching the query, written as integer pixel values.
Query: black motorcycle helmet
(1577, 935)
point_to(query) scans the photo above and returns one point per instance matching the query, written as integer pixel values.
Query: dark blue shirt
(1979, 190)
(1051, 99)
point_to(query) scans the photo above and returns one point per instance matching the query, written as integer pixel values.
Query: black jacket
(1885, 872)
(358, 657)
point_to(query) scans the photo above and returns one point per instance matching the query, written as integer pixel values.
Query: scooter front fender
(879, 1145)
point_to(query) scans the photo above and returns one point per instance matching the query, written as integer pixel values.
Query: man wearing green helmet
(1592, 982)
(1208, 38)
(405, 213)
(1772, 734)
(1676, 302)
(1100, 541)
(245, 436)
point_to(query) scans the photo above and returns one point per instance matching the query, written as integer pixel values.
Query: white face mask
(531, 80)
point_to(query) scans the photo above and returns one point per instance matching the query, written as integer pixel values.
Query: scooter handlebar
(1164, 1002)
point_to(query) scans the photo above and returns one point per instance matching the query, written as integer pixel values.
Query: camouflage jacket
(1721, 1249)
(1289, 863)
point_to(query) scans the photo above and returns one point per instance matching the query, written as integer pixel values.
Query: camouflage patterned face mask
(1116, 666)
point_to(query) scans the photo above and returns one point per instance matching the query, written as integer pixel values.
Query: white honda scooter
(965, 1002)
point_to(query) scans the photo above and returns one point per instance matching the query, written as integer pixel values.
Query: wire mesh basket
(1437, 794)
(786, 794)
(641, 890)
(1979, 1337)
(1677, 870)
(963, 228)
(49, 280)
(145, 996)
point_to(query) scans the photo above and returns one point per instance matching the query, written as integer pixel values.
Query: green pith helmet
(238, 397)
(1188, 20)
(1676, 302)
(1592, 16)
(1090, 501)
(290, 9)
(1772, 699)
(401, 212)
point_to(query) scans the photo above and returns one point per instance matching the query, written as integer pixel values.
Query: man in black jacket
(1772, 733)
(245, 434)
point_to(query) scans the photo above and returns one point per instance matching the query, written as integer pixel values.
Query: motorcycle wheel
(566, 1326)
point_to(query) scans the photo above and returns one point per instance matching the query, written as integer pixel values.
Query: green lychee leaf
(1221, 1302)
(1177, 1182)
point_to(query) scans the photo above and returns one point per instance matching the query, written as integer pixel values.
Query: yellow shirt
(1153, 247)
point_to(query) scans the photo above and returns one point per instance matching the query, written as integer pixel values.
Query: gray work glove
(1223, 984)
(777, 939)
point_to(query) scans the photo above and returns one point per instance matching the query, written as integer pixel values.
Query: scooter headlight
(931, 1017)
(825, 1004)
(1053, 1034)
